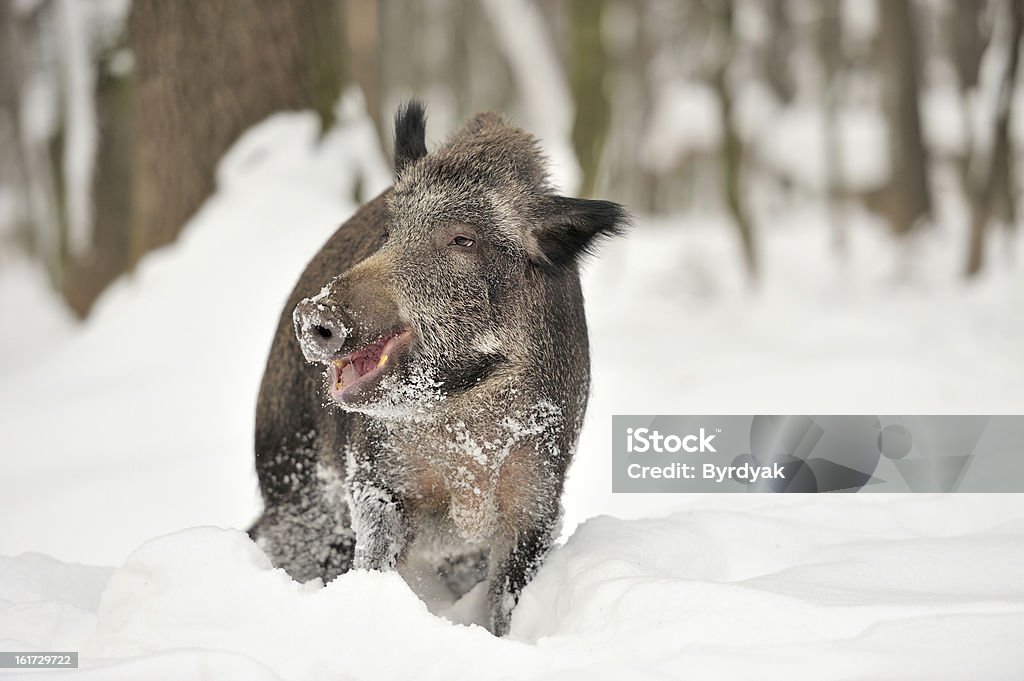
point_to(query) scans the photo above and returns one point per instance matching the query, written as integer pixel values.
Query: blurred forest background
(114, 114)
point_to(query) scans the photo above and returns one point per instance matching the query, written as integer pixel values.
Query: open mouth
(353, 373)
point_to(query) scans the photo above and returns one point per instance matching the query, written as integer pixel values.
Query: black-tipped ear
(410, 134)
(572, 228)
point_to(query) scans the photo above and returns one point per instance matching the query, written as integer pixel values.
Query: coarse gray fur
(455, 455)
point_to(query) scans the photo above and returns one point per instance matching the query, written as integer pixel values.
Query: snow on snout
(307, 317)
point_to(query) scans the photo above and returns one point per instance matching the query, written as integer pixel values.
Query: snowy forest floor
(138, 424)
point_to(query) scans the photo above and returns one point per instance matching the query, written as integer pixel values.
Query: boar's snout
(321, 330)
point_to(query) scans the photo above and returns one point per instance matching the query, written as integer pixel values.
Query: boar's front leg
(380, 524)
(513, 566)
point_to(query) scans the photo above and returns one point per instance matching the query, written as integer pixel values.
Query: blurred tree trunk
(967, 47)
(968, 41)
(362, 24)
(109, 255)
(12, 161)
(588, 64)
(203, 72)
(23, 34)
(908, 196)
(830, 50)
(1005, 171)
(464, 21)
(778, 49)
(998, 176)
(630, 179)
(732, 145)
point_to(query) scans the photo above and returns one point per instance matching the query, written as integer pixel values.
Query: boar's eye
(462, 241)
(457, 236)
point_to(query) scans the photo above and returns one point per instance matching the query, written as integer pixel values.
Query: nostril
(322, 331)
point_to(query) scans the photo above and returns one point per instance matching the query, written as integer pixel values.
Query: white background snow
(126, 443)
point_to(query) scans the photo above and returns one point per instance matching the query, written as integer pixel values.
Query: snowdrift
(914, 588)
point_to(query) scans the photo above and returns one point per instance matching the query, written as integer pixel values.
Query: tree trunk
(967, 47)
(998, 175)
(588, 64)
(732, 145)
(24, 55)
(830, 51)
(206, 70)
(193, 75)
(778, 50)
(362, 24)
(910, 196)
(112, 187)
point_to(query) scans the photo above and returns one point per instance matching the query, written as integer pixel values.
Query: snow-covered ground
(138, 425)
(905, 588)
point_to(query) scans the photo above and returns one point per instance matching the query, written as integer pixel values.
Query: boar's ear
(410, 134)
(571, 228)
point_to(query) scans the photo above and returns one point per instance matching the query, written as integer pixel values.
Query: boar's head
(475, 240)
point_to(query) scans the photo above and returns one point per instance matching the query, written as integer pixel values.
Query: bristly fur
(458, 454)
(410, 134)
(573, 228)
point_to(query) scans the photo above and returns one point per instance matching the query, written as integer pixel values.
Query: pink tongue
(349, 374)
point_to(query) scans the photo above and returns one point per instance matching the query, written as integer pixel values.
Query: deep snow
(138, 424)
(777, 594)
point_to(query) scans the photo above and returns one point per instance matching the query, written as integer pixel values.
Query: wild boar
(427, 384)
